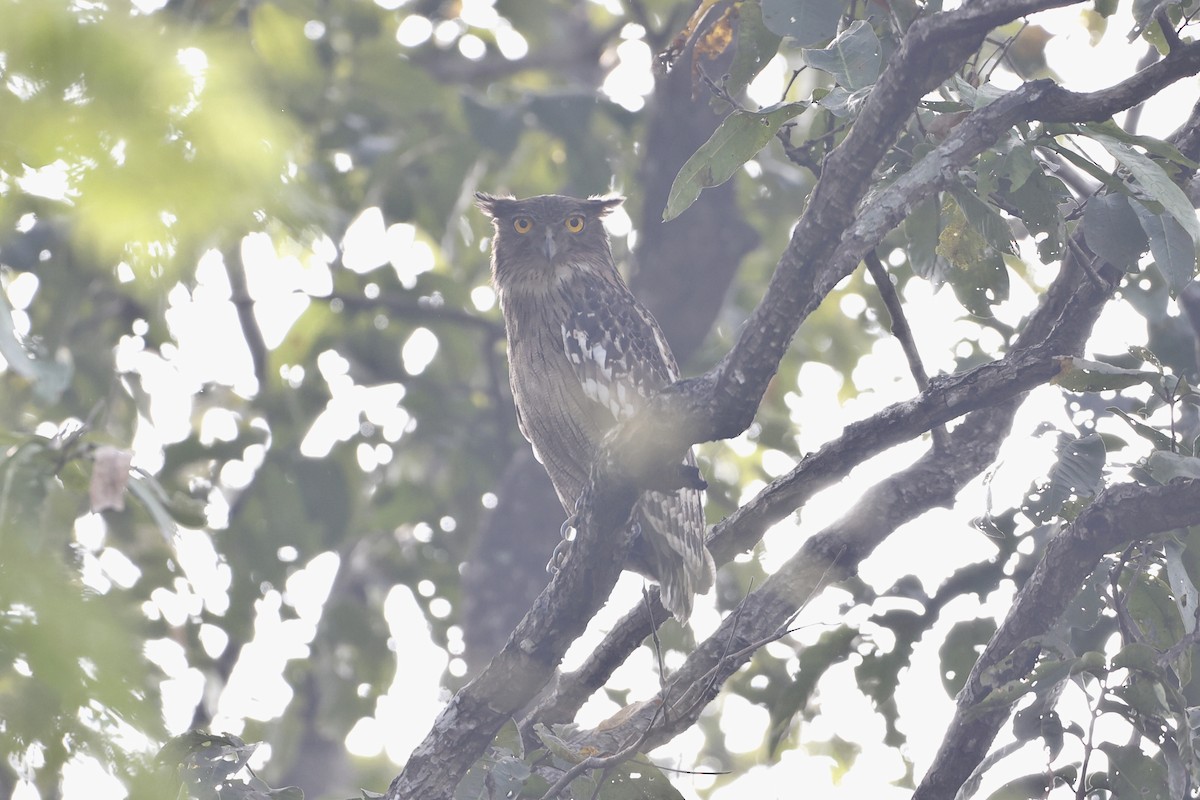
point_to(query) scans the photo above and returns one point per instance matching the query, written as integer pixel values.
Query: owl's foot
(567, 532)
(558, 556)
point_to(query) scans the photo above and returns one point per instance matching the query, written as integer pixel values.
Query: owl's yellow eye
(574, 223)
(522, 224)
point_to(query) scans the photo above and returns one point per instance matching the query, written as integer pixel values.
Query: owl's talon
(568, 526)
(558, 556)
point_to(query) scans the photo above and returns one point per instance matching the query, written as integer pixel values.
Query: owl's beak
(549, 247)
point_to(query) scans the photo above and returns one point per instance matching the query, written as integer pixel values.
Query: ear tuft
(602, 205)
(493, 205)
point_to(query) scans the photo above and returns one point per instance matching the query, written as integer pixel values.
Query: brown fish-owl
(585, 355)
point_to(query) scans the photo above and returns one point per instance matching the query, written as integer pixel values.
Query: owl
(585, 355)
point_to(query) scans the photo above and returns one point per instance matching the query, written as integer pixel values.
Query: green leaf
(922, 228)
(637, 779)
(1145, 696)
(1077, 471)
(1091, 662)
(960, 650)
(509, 738)
(1132, 774)
(977, 96)
(1038, 200)
(556, 744)
(1097, 172)
(1137, 656)
(736, 141)
(1187, 598)
(1154, 612)
(1156, 147)
(841, 103)
(1085, 608)
(1155, 181)
(498, 773)
(1186, 554)
(985, 219)
(979, 277)
(1156, 437)
(1173, 249)
(27, 479)
(1021, 165)
(853, 58)
(1165, 466)
(807, 22)
(49, 378)
(1023, 788)
(757, 44)
(501, 772)
(1113, 232)
(1081, 375)
(832, 647)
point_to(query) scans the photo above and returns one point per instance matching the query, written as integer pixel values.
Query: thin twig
(788, 88)
(899, 323)
(1170, 34)
(1125, 622)
(1088, 748)
(658, 654)
(244, 306)
(783, 630)
(902, 331)
(719, 91)
(1085, 262)
(602, 762)
(1002, 54)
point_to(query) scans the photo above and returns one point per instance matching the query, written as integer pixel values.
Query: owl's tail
(671, 548)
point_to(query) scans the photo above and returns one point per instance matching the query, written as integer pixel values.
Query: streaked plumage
(584, 355)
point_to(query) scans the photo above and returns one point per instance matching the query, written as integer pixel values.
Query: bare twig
(1084, 261)
(900, 327)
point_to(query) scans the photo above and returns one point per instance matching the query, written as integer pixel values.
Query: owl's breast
(564, 426)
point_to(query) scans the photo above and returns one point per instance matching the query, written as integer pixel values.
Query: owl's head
(544, 239)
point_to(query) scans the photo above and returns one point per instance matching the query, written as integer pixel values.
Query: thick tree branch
(476, 713)
(1120, 515)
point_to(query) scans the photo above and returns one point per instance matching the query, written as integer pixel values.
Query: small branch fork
(830, 240)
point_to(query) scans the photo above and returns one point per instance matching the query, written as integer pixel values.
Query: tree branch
(1120, 515)
(476, 713)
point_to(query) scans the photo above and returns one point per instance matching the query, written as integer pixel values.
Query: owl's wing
(621, 359)
(618, 354)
